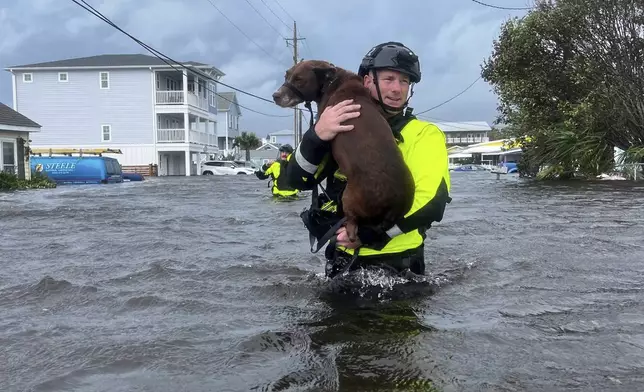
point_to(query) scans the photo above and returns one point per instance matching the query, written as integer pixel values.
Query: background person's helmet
(391, 55)
(286, 148)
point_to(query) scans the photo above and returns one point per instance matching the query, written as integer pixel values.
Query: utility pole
(299, 127)
(296, 132)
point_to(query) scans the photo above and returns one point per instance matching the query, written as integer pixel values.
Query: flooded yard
(207, 284)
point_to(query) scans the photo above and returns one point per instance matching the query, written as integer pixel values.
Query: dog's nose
(276, 95)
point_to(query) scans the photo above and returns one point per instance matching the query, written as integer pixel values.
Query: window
(63, 77)
(171, 84)
(104, 78)
(273, 139)
(8, 155)
(106, 133)
(27, 77)
(213, 96)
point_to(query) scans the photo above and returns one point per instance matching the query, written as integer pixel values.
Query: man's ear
(325, 74)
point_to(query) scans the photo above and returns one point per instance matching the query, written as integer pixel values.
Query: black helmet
(391, 55)
(286, 148)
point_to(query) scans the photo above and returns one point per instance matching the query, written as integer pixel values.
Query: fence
(150, 170)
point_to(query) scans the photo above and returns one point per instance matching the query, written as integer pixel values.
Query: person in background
(275, 170)
(389, 70)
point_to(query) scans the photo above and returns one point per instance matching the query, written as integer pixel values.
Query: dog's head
(304, 82)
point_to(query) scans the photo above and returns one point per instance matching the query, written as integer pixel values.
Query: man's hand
(331, 119)
(343, 239)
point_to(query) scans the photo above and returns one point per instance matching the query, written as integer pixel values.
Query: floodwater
(206, 284)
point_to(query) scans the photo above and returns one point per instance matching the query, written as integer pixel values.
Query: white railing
(171, 135)
(176, 97)
(170, 97)
(196, 101)
(469, 140)
(203, 138)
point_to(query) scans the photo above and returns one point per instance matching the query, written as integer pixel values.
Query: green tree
(570, 81)
(247, 141)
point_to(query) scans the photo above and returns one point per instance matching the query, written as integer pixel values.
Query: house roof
(462, 126)
(109, 60)
(224, 100)
(267, 146)
(283, 132)
(11, 118)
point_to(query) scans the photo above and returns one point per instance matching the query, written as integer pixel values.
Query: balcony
(467, 140)
(177, 97)
(169, 135)
(177, 135)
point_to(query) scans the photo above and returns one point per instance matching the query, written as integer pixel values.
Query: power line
(160, 56)
(286, 12)
(452, 98)
(242, 31)
(265, 20)
(277, 16)
(503, 8)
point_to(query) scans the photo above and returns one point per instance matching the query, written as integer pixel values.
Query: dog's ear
(325, 74)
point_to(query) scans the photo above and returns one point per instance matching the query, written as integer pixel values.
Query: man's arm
(302, 169)
(428, 163)
(262, 173)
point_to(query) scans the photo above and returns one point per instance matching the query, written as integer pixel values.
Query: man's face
(283, 155)
(394, 87)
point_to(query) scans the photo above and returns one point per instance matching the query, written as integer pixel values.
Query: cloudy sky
(451, 37)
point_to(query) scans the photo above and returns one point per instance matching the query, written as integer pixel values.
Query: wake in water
(376, 283)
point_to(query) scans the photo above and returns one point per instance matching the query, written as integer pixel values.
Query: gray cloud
(452, 39)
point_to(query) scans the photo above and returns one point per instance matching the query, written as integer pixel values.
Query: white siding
(222, 124)
(71, 113)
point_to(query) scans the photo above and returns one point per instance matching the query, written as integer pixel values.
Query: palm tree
(247, 141)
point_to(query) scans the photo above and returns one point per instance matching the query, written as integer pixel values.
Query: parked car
(222, 168)
(248, 164)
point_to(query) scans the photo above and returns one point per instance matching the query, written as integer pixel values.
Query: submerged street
(207, 284)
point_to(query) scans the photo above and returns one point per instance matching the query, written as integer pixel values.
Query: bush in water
(11, 182)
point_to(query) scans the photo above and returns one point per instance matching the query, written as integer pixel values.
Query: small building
(285, 136)
(266, 152)
(464, 133)
(15, 129)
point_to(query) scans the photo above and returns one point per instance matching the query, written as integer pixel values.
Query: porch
(171, 128)
(177, 88)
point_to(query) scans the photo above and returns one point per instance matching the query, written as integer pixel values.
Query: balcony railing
(466, 140)
(176, 97)
(171, 135)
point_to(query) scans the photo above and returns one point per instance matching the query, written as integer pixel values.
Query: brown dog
(380, 187)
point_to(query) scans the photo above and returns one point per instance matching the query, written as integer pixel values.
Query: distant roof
(224, 98)
(268, 146)
(284, 132)
(462, 126)
(110, 60)
(10, 117)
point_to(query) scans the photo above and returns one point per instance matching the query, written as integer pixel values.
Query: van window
(112, 167)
